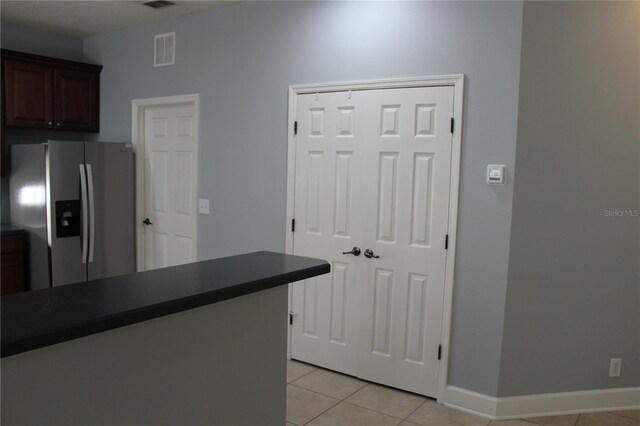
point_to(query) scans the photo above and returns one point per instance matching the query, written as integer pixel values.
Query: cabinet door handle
(57, 124)
(50, 123)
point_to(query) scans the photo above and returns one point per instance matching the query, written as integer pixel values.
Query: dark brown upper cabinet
(75, 101)
(48, 93)
(28, 94)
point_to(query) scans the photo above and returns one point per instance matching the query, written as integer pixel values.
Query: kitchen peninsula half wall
(190, 344)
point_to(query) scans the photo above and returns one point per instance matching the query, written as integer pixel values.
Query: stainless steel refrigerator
(76, 202)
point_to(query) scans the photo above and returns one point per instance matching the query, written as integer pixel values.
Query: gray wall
(39, 42)
(241, 58)
(573, 299)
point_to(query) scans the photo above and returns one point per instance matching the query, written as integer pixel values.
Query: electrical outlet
(203, 206)
(614, 367)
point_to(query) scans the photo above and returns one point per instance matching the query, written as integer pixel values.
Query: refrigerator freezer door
(28, 207)
(63, 160)
(112, 217)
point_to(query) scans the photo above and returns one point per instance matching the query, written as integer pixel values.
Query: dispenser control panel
(67, 218)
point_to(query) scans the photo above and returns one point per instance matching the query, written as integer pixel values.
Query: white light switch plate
(203, 206)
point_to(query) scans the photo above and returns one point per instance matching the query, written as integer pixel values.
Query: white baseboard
(568, 403)
(542, 404)
(470, 402)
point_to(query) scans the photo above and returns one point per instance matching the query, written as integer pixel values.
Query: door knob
(354, 251)
(147, 221)
(368, 253)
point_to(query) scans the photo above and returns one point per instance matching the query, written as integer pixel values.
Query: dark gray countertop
(40, 318)
(6, 230)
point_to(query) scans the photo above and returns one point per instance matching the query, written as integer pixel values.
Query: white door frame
(455, 80)
(138, 108)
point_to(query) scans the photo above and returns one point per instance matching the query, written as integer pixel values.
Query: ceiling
(86, 18)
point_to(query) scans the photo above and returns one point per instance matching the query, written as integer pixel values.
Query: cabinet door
(76, 100)
(12, 274)
(29, 94)
(12, 271)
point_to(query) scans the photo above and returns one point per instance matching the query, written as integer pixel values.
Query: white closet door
(406, 187)
(169, 186)
(328, 211)
(387, 154)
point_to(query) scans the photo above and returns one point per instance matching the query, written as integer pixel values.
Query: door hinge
(446, 242)
(290, 318)
(439, 352)
(295, 127)
(453, 124)
(293, 225)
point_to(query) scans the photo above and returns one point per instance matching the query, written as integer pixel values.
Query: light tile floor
(316, 396)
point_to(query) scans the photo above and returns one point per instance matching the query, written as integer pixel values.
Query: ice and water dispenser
(67, 218)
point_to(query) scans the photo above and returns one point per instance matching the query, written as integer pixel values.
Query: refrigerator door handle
(85, 213)
(92, 214)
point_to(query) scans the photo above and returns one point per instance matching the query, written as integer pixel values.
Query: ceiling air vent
(158, 4)
(165, 50)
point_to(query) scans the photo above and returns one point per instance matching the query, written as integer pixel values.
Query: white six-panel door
(372, 171)
(169, 185)
(407, 171)
(327, 224)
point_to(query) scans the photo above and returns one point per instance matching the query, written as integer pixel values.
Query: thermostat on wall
(496, 174)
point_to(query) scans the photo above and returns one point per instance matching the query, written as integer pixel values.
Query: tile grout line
(367, 383)
(621, 415)
(375, 411)
(317, 393)
(350, 403)
(300, 377)
(322, 394)
(334, 405)
(416, 409)
(357, 390)
(379, 412)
